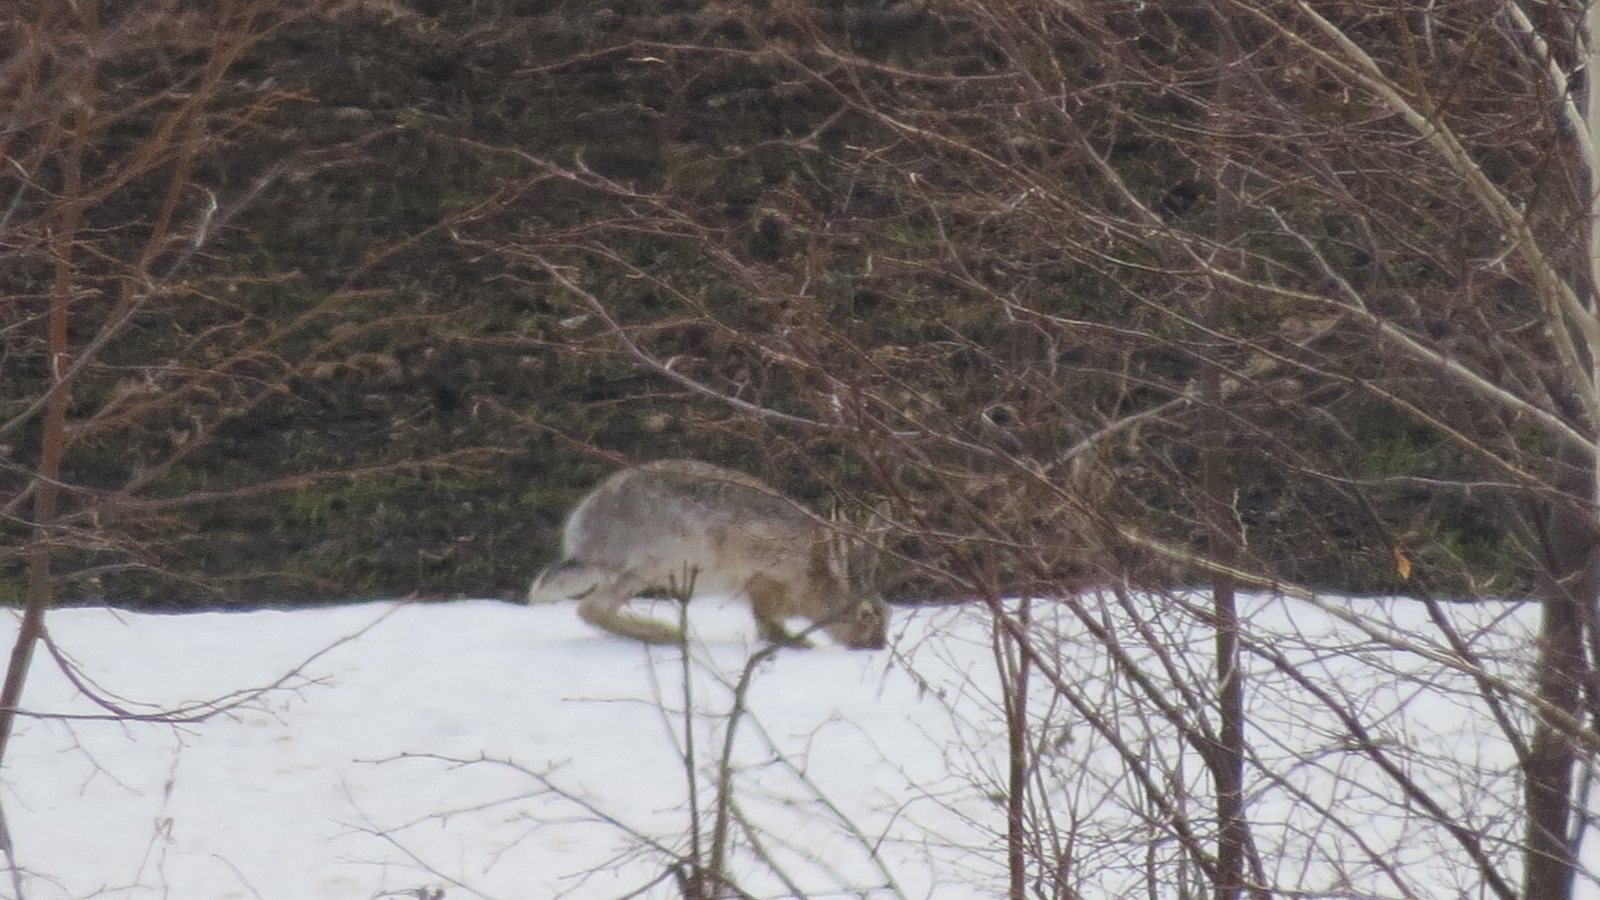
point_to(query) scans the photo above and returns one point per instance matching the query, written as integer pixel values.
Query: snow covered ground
(481, 749)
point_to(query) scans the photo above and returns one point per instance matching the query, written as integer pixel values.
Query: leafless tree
(135, 327)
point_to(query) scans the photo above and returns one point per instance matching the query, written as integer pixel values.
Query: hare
(660, 525)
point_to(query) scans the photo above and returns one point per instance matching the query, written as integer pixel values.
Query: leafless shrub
(1250, 295)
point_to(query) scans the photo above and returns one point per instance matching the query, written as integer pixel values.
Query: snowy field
(481, 749)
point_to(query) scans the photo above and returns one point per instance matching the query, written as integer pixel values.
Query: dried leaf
(1402, 564)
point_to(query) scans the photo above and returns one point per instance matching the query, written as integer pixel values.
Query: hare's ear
(856, 547)
(872, 544)
(840, 560)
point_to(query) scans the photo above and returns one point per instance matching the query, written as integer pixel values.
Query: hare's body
(677, 523)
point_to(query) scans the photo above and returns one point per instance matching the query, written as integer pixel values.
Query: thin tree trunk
(1227, 769)
(1551, 757)
(46, 496)
(1015, 668)
(1226, 761)
(52, 446)
(1568, 540)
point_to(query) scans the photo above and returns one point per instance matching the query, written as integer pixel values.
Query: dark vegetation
(403, 396)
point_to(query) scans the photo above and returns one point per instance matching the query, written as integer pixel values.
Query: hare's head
(861, 625)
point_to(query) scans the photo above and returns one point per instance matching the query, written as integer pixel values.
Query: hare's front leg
(769, 600)
(603, 608)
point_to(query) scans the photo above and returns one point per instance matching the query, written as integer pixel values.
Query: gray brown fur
(648, 528)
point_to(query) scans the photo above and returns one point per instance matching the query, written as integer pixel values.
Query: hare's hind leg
(769, 601)
(603, 608)
(563, 581)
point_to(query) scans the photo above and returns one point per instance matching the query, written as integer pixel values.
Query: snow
(483, 749)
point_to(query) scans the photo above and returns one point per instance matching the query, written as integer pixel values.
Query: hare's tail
(565, 580)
